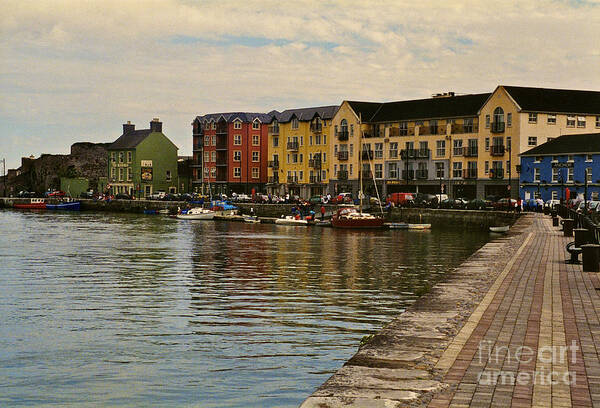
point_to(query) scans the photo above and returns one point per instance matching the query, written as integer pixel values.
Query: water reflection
(142, 310)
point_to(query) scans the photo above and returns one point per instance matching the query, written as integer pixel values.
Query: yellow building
(299, 152)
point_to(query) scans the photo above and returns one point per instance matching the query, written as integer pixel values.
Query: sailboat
(350, 217)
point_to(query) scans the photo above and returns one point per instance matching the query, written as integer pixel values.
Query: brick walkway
(534, 340)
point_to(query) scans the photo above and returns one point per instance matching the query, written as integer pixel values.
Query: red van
(401, 199)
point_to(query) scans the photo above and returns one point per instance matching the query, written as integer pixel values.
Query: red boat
(35, 204)
(349, 217)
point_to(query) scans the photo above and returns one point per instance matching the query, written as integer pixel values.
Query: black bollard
(568, 227)
(546, 210)
(581, 237)
(555, 221)
(554, 213)
(591, 258)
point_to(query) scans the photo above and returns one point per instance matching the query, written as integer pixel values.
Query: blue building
(568, 162)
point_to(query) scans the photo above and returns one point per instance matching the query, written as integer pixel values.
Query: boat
(290, 220)
(323, 223)
(396, 225)
(501, 229)
(33, 204)
(350, 217)
(67, 206)
(251, 219)
(196, 213)
(419, 226)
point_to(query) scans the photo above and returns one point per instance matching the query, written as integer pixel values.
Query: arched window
(498, 115)
(344, 125)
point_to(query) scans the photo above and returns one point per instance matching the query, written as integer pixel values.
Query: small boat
(396, 225)
(196, 213)
(502, 229)
(419, 226)
(251, 219)
(34, 204)
(323, 223)
(349, 217)
(70, 206)
(290, 220)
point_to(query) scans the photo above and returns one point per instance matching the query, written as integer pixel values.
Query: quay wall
(453, 218)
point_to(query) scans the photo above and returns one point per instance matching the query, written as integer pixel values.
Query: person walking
(322, 212)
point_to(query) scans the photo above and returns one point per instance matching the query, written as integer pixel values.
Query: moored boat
(501, 229)
(419, 226)
(68, 206)
(196, 214)
(290, 220)
(396, 225)
(349, 217)
(34, 204)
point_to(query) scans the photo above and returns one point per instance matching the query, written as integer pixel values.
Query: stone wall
(453, 218)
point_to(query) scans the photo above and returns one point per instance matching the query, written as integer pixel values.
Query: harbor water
(132, 310)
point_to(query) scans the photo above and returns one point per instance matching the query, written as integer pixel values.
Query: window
(301, 175)
(498, 115)
(237, 124)
(487, 144)
(317, 139)
(570, 121)
(324, 157)
(237, 172)
(214, 125)
(323, 173)
(255, 140)
(537, 175)
(237, 155)
(458, 147)
(532, 141)
(403, 131)
(207, 126)
(214, 140)
(214, 156)
(551, 119)
(378, 170)
(589, 158)
(213, 172)
(393, 150)
(324, 139)
(486, 167)
(129, 156)
(113, 157)
(393, 170)
(555, 175)
(598, 121)
(206, 156)
(255, 156)
(255, 172)
(487, 121)
(237, 140)
(532, 117)
(168, 175)
(468, 125)
(570, 175)
(130, 175)
(351, 128)
(379, 150)
(207, 140)
(509, 119)
(206, 170)
(121, 174)
(350, 172)
(295, 123)
(457, 169)
(581, 121)
(113, 173)
(555, 195)
(301, 157)
(433, 127)
(588, 174)
(351, 149)
(121, 157)
(256, 124)
(440, 148)
(439, 170)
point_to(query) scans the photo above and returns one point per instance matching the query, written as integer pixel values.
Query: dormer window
(256, 124)
(214, 125)
(295, 123)
(207, 126)
(237, 124)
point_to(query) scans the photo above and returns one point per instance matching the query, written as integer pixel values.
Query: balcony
(368, 135)
(221, 145)
(460, 129)
(422, 174)
(497, 174)
(221, 130)
(292, 179)
(408, 174)
(470, 151)
(314, 163)
(367, 155)
(342, 155)
(316, 127)
(470, 173)
(342, 135)
(274, 130)
(497, 150)
(406, 154)
(393, 132)
(423, 153)
(273, 179)
(274, 164)
(315, 179)
(342, 175)
(497, 127)
(293, 146)
(408, 131)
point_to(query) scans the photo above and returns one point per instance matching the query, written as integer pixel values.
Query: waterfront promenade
(532, 338)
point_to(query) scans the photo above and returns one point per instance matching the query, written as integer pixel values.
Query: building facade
(299, 153)
(141, 162)
(571, 161)
(230, 151)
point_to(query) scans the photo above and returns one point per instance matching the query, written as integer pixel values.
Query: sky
(77, 70)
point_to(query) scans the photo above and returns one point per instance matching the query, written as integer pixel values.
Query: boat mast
(360, 188)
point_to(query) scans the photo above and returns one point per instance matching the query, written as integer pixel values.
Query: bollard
(568, 227)
(591, 258)
(546, 210)
(555, 221)
(581, 237)
(554, 213)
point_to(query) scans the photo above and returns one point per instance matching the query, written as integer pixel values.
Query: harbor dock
(514, 325)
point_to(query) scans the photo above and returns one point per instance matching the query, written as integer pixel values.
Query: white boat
(396, 225)
(419, 226)
(504, 228)
(251, 219)
(290, 220)
(197, 214)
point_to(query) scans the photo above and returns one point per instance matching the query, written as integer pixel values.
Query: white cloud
(76, 69)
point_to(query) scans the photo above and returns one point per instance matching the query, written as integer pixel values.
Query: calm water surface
(100, 309)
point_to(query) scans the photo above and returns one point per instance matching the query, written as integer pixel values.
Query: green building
(142, 162)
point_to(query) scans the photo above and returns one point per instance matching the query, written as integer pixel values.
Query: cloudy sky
(76, 70)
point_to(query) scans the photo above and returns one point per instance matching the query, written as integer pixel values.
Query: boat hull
(500, 229)
(31, 206)
(357, 223)
(74, 206)
(283, 221)
(196, 216)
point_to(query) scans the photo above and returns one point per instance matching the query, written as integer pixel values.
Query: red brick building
(230, 152)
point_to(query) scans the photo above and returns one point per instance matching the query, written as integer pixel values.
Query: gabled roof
(555, 100)
(229, 117)
(365, 110)
(568, 144)
(307, 114)
(130, 140)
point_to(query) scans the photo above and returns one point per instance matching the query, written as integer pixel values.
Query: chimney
(128, 127)
(156, 125)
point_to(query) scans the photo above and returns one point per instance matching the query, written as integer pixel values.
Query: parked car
(477, 204)
(87, 194)
(317, 199)
(592, 207)
(157, 195)
(447, 203)
(552, 204)
(460, 203)
(401, 199)
(505, 204)
(342, 198)
(425, 200)
(170, 197)
(122, 196)
(56, 193)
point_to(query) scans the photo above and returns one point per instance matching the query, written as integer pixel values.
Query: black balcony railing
(408, 154)
(470, 151)
(496, 173)
(314, 163)
(367, 155)
(422, 174)
(342, 134)
(274, 130)
(470, 173)
(292, 179)
(293, 145)
(316, 127)
(342, 155)
(423, 153)
(274, 164)
(342, 175)
(408, 174)
(497, 127)
(497, 150)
